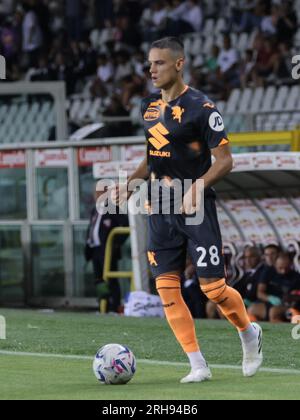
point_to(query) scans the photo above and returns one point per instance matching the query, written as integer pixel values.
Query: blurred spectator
(283, 66)
(255, 273)
(287, 22)
(153, 20)
(6, 7)
(138, 61)
(43, 15)
(183, 17)
(126, 34)
(228, 61)
(10, 41)
(100, 227)
(252, 15)
(211, 64)
(206, 73)
(194, 15)
(266, 61)
(275, 291)
(269, 23)
(85, 58)
(116, 128)
(63, 71)
(104, 11)
(42, 72)
(71, 34)
(228, 57)
(271, 253)
(247, 66)
(105, 73)
(32, 33)
(74, 16)
(123, 67)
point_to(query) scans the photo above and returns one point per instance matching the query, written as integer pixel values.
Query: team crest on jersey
(152, 114)
(151, 258)
(177, 113)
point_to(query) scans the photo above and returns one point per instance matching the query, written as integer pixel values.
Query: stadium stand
(102, 58)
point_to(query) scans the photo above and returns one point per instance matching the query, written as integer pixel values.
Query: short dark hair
(284, 256)
(254, 250)
(273, 246)
(171, 43)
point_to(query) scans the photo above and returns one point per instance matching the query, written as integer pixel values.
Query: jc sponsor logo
(216, 122)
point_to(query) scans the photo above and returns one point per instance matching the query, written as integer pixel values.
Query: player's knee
(169, 290)
(166, 294)
(215, 291)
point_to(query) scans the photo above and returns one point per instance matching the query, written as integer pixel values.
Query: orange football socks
(229, 302)
(177, 312)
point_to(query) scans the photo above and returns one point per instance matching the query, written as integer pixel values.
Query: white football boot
(197, 375)
(253, 356)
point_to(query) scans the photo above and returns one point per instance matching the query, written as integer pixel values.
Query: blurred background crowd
(100, 46)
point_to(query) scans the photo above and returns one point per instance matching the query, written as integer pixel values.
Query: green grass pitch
(160, 361)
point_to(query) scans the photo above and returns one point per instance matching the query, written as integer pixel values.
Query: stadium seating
(26, 122)
(261, 109)
(252, 222)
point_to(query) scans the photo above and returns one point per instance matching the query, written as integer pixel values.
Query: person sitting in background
(255, 272)
(247, 66)
(287, 22)
(193, 16)
(105, 74)
(228, 62)
(116, 128)
(266, 61)
(209, 71)
(271, 253)
(275, 290)
(100, 226)
(284, 65)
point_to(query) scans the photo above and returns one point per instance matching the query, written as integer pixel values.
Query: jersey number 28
(214, 256)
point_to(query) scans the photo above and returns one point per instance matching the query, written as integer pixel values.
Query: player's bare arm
(222, 166)
(142, 172)
(123, 192)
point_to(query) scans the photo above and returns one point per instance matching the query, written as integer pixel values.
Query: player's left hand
(192, 200)
(120, 194)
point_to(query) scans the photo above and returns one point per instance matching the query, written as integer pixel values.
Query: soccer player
(184, 129)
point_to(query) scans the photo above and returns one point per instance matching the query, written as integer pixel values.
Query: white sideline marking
(145, 362)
